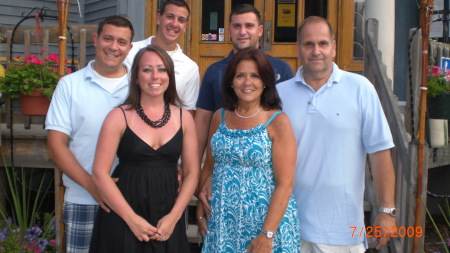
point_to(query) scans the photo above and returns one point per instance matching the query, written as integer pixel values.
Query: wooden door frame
(345, 26)
(340, 15)
(289, 51)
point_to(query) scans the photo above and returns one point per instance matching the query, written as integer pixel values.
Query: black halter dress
(148, 181)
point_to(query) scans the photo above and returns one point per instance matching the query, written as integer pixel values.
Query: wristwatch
(391, 211)
(269, 234)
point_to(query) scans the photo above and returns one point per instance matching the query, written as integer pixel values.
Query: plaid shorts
(79, 221)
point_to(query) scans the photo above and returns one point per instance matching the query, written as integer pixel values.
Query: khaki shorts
(309, 247)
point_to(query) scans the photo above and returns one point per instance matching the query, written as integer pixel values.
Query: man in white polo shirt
(172, 20)
(79, 105)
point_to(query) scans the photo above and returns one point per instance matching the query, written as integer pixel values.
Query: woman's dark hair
(170, 95)
(269, 98)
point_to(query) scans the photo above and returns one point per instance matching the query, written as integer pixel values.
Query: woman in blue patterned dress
(251, 156)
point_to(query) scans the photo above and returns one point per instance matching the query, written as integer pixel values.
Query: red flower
(29, 58)
(447, 75)
(29, 73)
(53, 57)
(37, 61)
(435, 71)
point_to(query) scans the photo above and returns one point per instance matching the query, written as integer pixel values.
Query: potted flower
(24, 226)
(438, 107)
(438, 94)
(31, 77)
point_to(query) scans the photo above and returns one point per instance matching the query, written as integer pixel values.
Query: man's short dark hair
(116, 20)
(245, 8)
(179, 3)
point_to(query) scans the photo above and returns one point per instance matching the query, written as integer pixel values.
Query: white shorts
(309, 247)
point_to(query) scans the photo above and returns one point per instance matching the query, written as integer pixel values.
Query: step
(192, 234)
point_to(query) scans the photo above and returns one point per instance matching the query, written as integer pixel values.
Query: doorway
(206, 38)
(210, 41)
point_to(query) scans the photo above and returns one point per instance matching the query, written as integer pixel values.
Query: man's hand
(205, 195)
(98, 197)
(180, 176)
(385, 222)
(201, 220)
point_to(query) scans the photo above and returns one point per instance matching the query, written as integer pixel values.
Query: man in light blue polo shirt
(79, 105)
(337, 120)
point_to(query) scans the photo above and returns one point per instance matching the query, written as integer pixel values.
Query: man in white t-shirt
(172, 20)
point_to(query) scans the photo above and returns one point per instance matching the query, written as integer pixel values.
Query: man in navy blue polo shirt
(245, 30)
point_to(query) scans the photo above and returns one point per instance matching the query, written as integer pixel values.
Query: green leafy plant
(25, 228)
(438, 82)
(27, 74)
(445, 211)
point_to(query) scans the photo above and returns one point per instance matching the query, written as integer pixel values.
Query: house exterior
(395, 18)
(203, 43)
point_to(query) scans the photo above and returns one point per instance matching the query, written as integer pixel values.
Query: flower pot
(438, 107)
(438, 133)
(35, 104)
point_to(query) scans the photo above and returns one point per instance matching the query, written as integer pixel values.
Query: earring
(232, 86)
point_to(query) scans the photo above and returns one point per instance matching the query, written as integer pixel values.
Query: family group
(284, 154)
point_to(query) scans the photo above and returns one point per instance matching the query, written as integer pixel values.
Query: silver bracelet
(200, 217)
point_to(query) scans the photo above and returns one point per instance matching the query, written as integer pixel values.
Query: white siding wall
(384, 12)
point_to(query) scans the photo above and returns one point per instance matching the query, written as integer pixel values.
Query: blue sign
(445, 64)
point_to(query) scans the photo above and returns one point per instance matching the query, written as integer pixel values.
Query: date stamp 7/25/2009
(394, 231)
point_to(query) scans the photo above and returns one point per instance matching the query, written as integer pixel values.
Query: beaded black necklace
(158, 123)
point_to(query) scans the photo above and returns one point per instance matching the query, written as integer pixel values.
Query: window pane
(285, 21)
(212, 20)
(316, 8)
(358, 36)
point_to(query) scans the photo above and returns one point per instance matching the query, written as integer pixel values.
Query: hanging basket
(438, 107)
(35, 104)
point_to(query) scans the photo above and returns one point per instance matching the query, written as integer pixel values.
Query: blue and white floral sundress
(242, 186)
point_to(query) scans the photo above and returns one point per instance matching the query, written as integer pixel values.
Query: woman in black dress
(148, 133)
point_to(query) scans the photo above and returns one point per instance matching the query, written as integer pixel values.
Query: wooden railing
(27, 35)
(405, 152)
